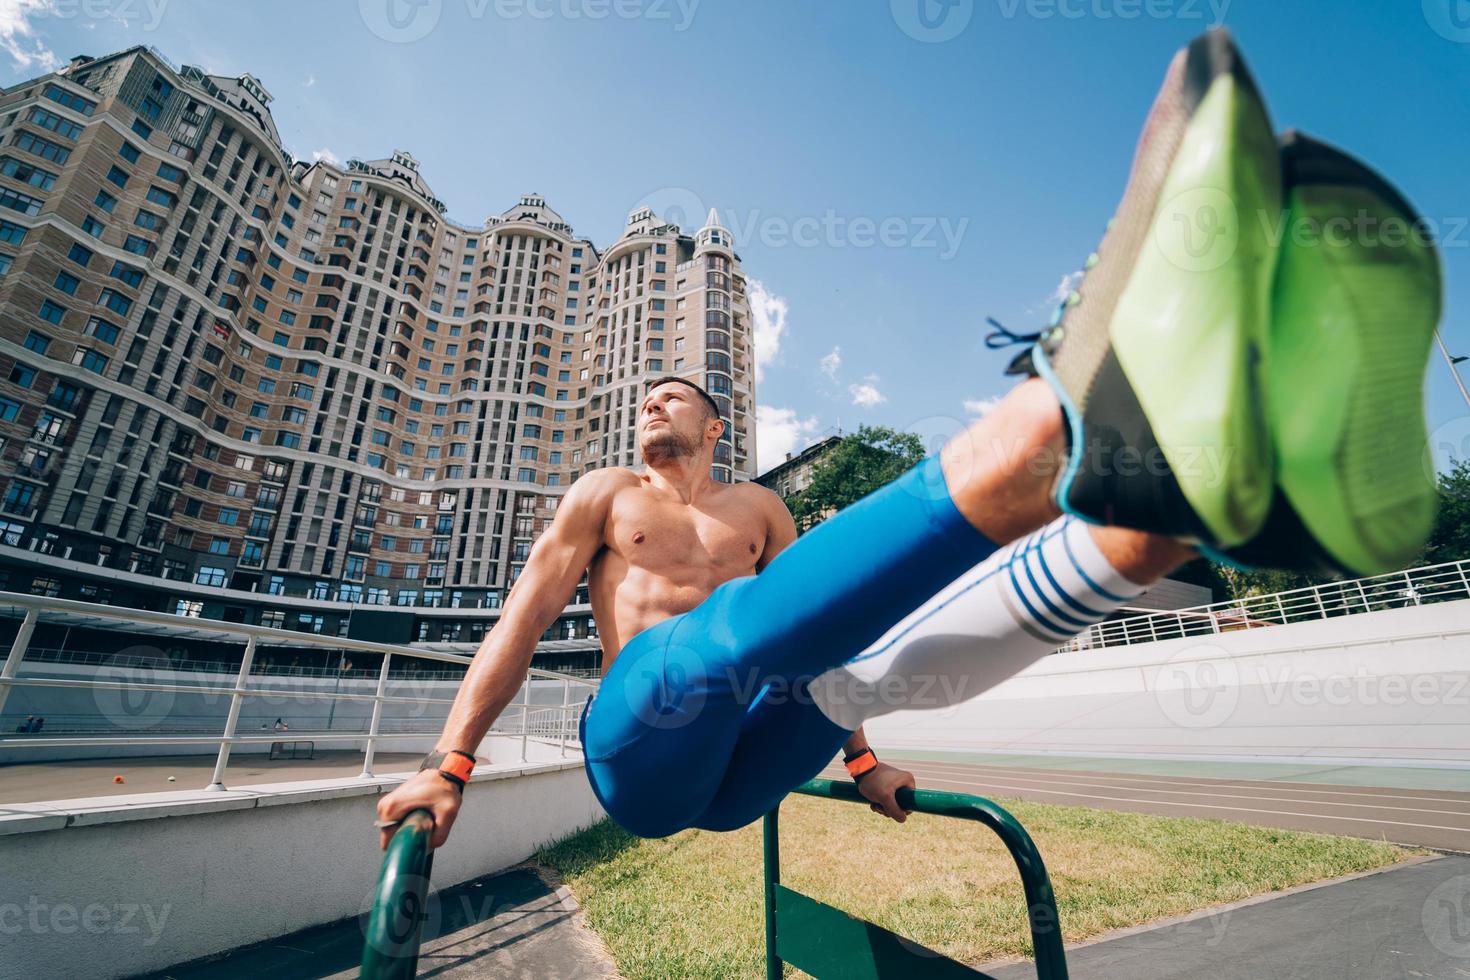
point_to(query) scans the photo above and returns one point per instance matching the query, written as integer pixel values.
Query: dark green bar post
(1041, 905)
(400, 903)
(773, 878)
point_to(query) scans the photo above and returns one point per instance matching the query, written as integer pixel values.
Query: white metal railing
(52, 655)
(1396, 590)
(547, 723)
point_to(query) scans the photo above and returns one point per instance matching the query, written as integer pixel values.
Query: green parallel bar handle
(771, 839)
(1046, 934)
(400, 904)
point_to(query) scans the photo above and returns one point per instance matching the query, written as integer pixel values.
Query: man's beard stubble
(659, 447)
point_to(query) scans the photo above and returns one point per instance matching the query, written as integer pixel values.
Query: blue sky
(888, 175)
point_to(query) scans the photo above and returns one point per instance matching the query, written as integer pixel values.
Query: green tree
(858, 465)
(1448, 541)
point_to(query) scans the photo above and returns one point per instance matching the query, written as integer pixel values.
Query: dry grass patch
(691, 905)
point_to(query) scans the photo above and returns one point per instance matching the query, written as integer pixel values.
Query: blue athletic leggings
(704, 720)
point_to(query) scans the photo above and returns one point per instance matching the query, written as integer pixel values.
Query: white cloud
(18, 36)
(1064, 289)
(866, 395)
(831, 363)
(310, 80)
(327, 155)
(980, 407)
(768, 313)
(777, 432)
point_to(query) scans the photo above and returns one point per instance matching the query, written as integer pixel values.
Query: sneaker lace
(1001, 337)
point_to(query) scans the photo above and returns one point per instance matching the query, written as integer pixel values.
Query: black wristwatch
(454, 765)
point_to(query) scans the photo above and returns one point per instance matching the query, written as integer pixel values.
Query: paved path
(1406, 922)
(510, 925)
(1428, 818)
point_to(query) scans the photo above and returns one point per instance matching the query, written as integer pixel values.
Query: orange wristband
(458, 765)
(861, 764)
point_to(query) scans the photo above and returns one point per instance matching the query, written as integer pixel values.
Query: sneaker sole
(1188, 319)
(1355, 313)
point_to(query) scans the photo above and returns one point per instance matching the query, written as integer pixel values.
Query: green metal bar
(1046, 934)
(773, 878)
(401, 902)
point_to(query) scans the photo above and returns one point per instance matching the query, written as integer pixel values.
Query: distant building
(237, 385)
(794, 474)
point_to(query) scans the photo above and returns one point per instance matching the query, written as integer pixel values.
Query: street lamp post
(1452, 361)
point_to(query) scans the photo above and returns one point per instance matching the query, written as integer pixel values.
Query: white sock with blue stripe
(1004, 614)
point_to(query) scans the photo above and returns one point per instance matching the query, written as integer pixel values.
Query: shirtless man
(653, 546)
(1262, 404)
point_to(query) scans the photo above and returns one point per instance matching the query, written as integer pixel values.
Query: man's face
(672, 422)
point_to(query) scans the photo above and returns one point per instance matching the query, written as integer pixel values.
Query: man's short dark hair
(709, 402)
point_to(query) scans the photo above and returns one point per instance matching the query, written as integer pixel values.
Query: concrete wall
(105, 711)
(1382, 688)
(117, 886)
(1169, 594)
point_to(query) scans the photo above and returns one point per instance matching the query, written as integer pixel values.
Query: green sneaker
(1154, 358)
(1357, 298)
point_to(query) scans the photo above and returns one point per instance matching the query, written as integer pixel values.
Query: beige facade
(794, 474)
(222, 366)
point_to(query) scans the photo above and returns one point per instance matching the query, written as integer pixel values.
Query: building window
(45, 585)
(90, 359)
(210, 575)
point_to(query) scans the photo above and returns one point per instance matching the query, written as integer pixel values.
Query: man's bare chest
(657, 534)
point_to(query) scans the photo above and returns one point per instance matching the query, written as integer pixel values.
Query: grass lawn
(691, 905)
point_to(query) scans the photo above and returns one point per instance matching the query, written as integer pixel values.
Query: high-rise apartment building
(241, 386)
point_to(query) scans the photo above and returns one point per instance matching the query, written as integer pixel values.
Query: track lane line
(1201, 806)
(1263, 784)
(1026, 777)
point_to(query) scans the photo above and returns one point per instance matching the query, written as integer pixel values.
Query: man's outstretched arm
(499, 667)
